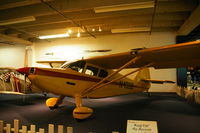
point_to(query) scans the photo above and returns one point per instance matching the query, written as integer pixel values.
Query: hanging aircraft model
(95, 78)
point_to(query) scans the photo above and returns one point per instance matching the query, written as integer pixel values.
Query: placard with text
(137, 126)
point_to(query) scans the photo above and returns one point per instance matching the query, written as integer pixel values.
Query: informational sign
(136, 126)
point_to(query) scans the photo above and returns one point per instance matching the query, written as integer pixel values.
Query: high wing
(170, 56)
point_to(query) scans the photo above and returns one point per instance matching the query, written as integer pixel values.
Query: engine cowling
(82, 112)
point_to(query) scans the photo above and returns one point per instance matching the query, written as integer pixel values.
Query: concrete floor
(172, 113)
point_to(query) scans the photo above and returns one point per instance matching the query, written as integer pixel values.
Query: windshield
(77, 66)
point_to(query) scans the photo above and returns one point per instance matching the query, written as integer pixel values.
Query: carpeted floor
(172, 113)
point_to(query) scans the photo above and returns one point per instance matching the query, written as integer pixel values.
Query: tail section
(141, 77)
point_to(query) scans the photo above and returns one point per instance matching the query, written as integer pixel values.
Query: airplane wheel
(51, 103)
(80, 113)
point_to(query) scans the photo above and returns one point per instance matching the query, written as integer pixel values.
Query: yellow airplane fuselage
(68, 82)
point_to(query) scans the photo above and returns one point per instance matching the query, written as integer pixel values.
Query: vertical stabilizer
(140, 77)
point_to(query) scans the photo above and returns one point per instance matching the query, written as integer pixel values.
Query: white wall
(64, 49)
(12, 55)
(118, 43)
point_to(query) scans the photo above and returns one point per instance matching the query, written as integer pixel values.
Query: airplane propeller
(24, 97)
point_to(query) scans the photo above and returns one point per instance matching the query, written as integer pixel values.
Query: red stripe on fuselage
(39, 71)
(64, 75)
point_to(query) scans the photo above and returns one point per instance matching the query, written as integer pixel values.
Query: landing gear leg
(81, 112)
(53, 103)
(148, 93)
(45, 94)
(60, 100)
(78, 100)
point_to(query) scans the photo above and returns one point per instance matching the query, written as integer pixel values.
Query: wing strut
(102, 85)
(112, 74)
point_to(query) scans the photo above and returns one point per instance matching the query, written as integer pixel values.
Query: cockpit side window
(90, 70)
(77, 66)
(103, 73)
(82, 67)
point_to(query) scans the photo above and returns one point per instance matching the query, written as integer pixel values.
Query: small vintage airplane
(95, 78)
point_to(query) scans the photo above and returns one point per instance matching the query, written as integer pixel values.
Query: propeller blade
(24, 97)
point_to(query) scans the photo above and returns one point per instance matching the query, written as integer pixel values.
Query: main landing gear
(53, 103)
(148, 94)
(80, 112)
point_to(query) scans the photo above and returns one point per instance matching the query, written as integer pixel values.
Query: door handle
(70, 83)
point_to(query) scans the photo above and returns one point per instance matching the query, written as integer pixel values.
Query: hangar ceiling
(23, 21)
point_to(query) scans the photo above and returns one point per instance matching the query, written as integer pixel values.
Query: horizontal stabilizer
(11, 93)
(158, 81)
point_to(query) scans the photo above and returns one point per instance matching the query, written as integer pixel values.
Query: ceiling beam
(126, 24)
(14, 40)
(11, 32)
(79, 5)
(161, 29)
(108, 31)
(175, 23)
(175, 6)
(17, 20)
(20, 3)
(191, 23)
(84, 15)
(52, 19)
(172, 0)
(50, 22)
(95, 20)
(105, 30)
(62, 5)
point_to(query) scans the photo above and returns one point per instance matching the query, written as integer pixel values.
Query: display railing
(8, 128)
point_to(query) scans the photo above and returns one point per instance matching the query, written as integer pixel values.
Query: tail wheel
(82, 113)
(51, 103)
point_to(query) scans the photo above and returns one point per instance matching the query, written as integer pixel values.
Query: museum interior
(99, 66)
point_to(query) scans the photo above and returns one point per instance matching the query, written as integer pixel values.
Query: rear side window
(103, 73)
(90, 70)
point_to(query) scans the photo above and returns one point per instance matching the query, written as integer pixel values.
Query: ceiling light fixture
(135, 29)
(78, 34)
(121, 7)
(54, 36)
(17, 20)
(69, 31)
(100, 29)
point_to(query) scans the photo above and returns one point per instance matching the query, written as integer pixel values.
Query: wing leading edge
(170, 56)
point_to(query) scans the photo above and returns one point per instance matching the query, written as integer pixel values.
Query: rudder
(140, 77)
